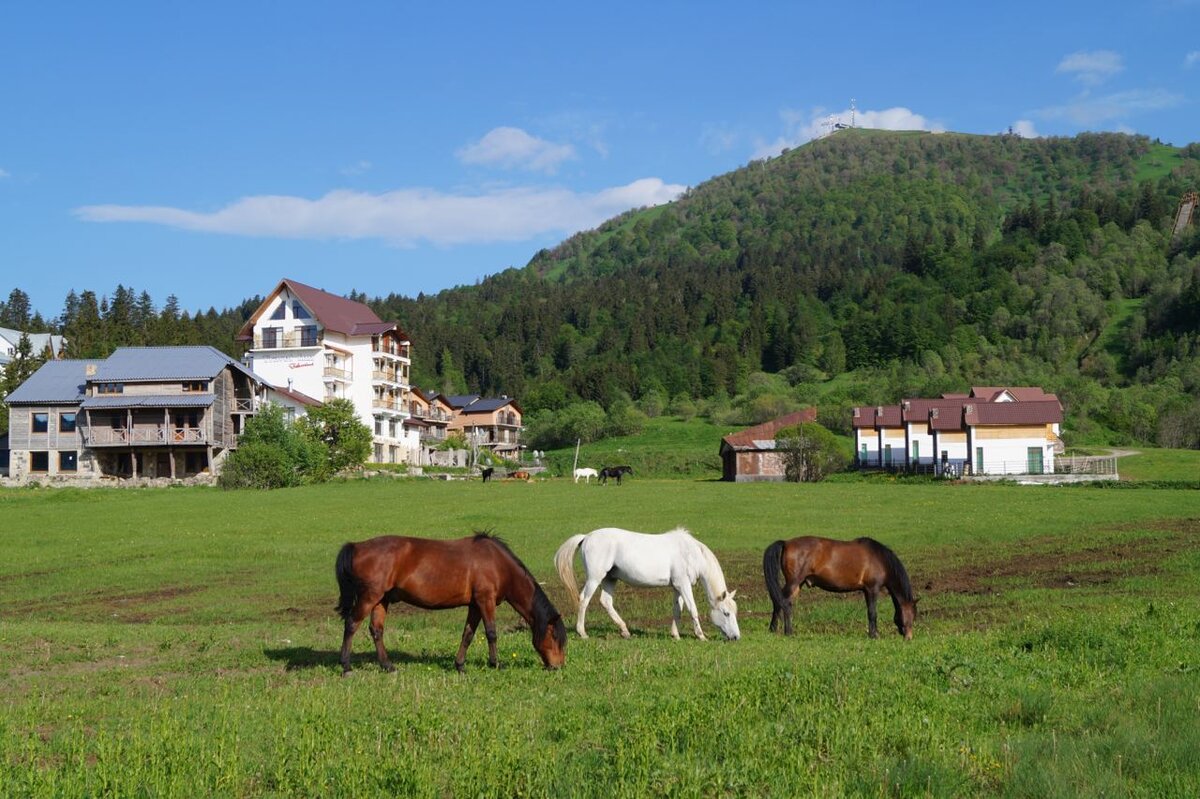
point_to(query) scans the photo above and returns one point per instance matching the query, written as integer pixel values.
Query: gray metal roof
(56, 382)
(149, 401)
(486, 404)
(133, 364)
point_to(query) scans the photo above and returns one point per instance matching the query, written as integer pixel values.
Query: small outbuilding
(749, 455)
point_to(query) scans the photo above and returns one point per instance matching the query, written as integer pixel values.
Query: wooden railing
(333, 371)
(125, 436)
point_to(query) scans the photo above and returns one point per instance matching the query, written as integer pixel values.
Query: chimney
(90, 370)
(289, 384)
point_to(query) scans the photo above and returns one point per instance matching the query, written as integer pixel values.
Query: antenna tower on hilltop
(853, 111)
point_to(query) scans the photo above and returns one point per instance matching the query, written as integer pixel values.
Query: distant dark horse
(479, 572)
(615, 472)
(863, 564)
(487, 473)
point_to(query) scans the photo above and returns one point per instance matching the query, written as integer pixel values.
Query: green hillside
(859, 268)
(856, 269)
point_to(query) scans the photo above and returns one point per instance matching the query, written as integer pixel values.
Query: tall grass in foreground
(182, 643)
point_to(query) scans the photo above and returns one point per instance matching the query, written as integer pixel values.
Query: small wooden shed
(749, 455)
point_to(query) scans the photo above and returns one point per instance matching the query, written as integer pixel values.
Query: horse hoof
(626, 634)
(461, 668)
(388, 667)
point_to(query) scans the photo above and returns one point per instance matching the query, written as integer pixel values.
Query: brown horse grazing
(863, 564)
(479, 572)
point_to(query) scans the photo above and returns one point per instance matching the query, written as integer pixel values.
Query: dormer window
(110, 388)
(192, 386)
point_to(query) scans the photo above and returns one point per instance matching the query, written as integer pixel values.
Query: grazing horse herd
(481, 572)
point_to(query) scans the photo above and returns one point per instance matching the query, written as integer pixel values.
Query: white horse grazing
(673, 558)
(586, 474)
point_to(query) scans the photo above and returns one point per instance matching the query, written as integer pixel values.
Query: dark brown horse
(863, 564)
(479, 572)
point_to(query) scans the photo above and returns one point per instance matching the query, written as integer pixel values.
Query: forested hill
(918, 262)
(858, 268)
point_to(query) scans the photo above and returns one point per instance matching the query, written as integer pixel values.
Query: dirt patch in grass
(1052, 562)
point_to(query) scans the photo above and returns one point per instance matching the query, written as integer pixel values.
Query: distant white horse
(673, 558)
(586, 474)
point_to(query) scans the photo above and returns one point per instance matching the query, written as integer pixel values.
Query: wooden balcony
(143, 436)
(338, 374)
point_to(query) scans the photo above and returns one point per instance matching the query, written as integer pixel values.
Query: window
(41, 422)
(299, 311)
(916, 452)
(270, 337)
(280, 311)
(195, 385)
(66, 423)
(68, 461)
(39, 461)
(308, 336)
(979, 460)
(110, 388)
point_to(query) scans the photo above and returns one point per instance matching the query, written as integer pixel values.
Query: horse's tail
(772, 573)
(349, 585)
(564, 562)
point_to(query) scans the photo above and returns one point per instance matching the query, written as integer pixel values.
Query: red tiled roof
(1019, 393)
(1026, 412)
(917, 409)
(946, 416)
(864, 417)
(335, 313)
(888, 416)
(744, 439)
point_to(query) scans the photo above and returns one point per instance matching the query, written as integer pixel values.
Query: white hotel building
(324, 346)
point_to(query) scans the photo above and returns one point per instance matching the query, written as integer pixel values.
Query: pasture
(182, 642)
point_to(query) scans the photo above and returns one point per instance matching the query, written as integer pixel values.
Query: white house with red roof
(306, 341)
(993, 430)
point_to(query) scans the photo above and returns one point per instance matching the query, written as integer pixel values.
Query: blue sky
(207, 150)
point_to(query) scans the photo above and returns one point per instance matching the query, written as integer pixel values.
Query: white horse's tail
(564, 561)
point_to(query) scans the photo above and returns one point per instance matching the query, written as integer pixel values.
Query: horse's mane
(543, 608)
(894, 566)
(714, 565)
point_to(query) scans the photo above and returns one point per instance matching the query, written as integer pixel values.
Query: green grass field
(181, 642)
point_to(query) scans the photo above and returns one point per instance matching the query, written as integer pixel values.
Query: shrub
(258, 465)
(810, 452)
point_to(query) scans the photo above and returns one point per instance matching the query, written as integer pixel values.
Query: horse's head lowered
(724, 615)
(549, 632)
(906, 613)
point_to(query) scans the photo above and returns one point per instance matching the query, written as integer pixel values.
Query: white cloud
(1192, 59)
(4, 174)
(1024, 128)
(1091, 68)
(407, 216)
(1090, 110)
(800, 127)
(357, 168)
(514, 148)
